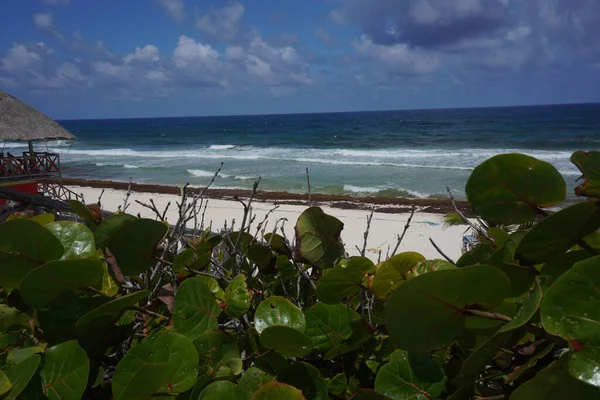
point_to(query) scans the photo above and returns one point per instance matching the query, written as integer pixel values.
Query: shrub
(129, 308)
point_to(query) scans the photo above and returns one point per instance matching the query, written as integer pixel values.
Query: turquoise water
(392, 153)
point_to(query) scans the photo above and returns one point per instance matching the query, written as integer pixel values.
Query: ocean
(413, 154)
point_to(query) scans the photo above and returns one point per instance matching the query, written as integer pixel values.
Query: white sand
(383, 232)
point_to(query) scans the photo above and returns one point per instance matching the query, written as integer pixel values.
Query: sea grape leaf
(237, 297)
(44, 219)
(429, 266)
(21, 373)
(510, 188)
(407, 377)
(528, 309)
(166, 363)
(361, 332)
(221, 390)
(65, 371)
(77, 239)
(361, 264)
(561, 264)
(278, 244)
(218, 353)
(109, 226)
(370, 394)
(287, 341)
(183, 259)
(277, 391)
(555, 383)
(195, 309)
(557, 233)
(10, 317)
(134, 244)
(261, 256)
(570, 306)
(328, 325)
(25, 245)
(307, 378)
(108, 286)
(5, 384)
(212, 284)
(588, 163)
(435, 303)
(318, 237)
(338, 283)
(585, 365)
(277, 310)
(84, 213)
(58, 276)
(470, 370)
(110, 312)
(253, 379)
(393, 272)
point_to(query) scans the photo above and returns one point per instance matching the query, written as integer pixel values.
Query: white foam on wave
(244, 178)
(130, 166)
(221, 146)
(205, 174)
(373, 190)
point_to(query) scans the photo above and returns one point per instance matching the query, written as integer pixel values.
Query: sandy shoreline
(388, 221)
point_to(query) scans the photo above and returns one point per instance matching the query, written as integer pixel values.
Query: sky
(159, 58)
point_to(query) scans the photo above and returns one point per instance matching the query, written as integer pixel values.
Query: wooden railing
(57, 191)
(28, 165)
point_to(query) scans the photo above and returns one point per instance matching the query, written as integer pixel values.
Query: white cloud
(518, 33)
(423, 13)
(20, 58)
(190, 53)
(222, 24)
(43, 21)
(234, 52)
(148, 53)
(175, 8)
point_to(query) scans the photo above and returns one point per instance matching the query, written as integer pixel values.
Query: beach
(388, 220)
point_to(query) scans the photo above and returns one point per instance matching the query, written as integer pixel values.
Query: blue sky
(155, 58)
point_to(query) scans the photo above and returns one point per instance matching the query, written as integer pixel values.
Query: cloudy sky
(146, 58)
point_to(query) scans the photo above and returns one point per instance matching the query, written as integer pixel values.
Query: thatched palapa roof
(20, 122)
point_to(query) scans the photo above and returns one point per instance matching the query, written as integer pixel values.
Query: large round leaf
(570, 307)
(134, 244)
(585, 365)
(5, 384)
(237, 297)
(338, 283)
(25, 245)
(328, 325)
(407, 377)
(429, 311)
(393, 272)
(76, 238)
(109, 226)
(277, 310)
(65, 371)
(195, 309)
(286, 341)
(21, 373)
(557, 233)
(109, 312)
(307, 378)
(219, 354)
(555, 383)
(46, 283)
(166, 363)
(528, 309)
(277, 391)
(221, 390)
(253, 379)
(318, 237)
(509, 188)
(588, 163)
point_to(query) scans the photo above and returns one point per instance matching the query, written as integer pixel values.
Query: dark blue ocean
(388, 153)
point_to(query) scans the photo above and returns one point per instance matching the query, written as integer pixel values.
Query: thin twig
(126, 201)
(441, 252)
(100, 198)
(465, 219)
(366, 234)
(406, 226)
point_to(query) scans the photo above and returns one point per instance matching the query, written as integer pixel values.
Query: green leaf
(56, 277)
(278, 244)
(5, 384)
(21, 373)
(83, 212)
(76, 238)
(10, 317)
(277, 310)
(361, 332)
(43, 219)
(557, 233)
(361, 264)
(369, 394)
(338, 385)
(253, 379)
(163, 364)
(588, 163)
(277, 391)
(108, 286)
(429, 266)
(221, 390)
(212, 284)
(261, 256)
(65, 371)
(435, 304)
(328, 325)
(470, 370)
(285, 340)
(393, 272)
(109, 226)
(183, 259)
(555, 383)
(585, 365)
(204, 251)
(407, 377)
(570, 306)
(24, 245)
(195, 309)
(237, 297)
(561, 264)
(307, 378)
(521, 277)
(110, 312)
(528, 309)
(134, 244)
(338, 283)
(510, 188)
(218, 353)
(318, 237)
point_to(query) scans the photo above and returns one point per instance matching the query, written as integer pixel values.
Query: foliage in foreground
(126, 308)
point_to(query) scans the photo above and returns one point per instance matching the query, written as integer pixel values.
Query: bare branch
(441, 252)
(366, 234)
(465, 219)
(401, 237)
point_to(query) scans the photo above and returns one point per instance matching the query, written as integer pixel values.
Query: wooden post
(31, 158)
